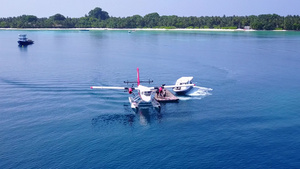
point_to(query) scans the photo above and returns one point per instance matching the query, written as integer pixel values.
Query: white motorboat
(183, 81)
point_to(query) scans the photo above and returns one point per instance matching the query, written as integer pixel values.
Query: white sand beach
(126, 29)
(133, 29)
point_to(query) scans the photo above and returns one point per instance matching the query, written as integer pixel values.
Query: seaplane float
(148, 96)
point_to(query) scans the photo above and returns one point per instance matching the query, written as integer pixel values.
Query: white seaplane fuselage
(145, 98)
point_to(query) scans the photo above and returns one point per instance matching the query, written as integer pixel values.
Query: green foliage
(97, 18)
(3, 24)
(152, 19)
(98, 14)
(58, 17)
(217, 27)
(168, 27)
(229, 27)
(296, 26)
(30, 18)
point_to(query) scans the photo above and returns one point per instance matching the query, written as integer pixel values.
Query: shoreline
(135, 29)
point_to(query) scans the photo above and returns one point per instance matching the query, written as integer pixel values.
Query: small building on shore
(247, 28)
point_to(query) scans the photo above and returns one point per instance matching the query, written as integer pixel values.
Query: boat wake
(196, 92)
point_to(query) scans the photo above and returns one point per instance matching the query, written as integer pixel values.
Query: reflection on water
(107, 119)
(148, 114)
(143, 116)
(23, 48)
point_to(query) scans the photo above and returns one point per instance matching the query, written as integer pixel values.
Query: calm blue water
(50, 118)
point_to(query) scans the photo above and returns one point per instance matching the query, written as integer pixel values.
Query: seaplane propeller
(130, 89)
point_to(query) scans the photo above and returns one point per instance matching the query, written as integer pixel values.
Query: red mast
(138, 76)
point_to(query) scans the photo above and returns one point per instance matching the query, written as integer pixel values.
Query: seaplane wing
(129, 89)
(108, 87)
(140, 87)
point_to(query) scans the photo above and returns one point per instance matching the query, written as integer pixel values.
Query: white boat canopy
(184, 80)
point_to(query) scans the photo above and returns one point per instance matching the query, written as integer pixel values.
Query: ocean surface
(50, 118)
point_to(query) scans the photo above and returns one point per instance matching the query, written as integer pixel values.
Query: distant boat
(131, 31)
(23, 41)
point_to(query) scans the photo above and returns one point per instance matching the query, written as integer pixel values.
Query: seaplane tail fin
(138, 76)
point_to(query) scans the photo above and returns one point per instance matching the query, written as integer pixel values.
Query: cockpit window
(147, 93)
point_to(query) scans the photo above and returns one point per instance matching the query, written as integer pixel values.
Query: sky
(124, 8)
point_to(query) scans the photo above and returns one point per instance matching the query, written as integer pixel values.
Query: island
(97, 18)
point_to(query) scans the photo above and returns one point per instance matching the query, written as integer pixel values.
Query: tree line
(97, 18)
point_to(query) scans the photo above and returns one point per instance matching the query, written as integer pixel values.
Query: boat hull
(182, 91)
(24, 43)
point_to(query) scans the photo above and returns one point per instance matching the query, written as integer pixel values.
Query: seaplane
(146, 95)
